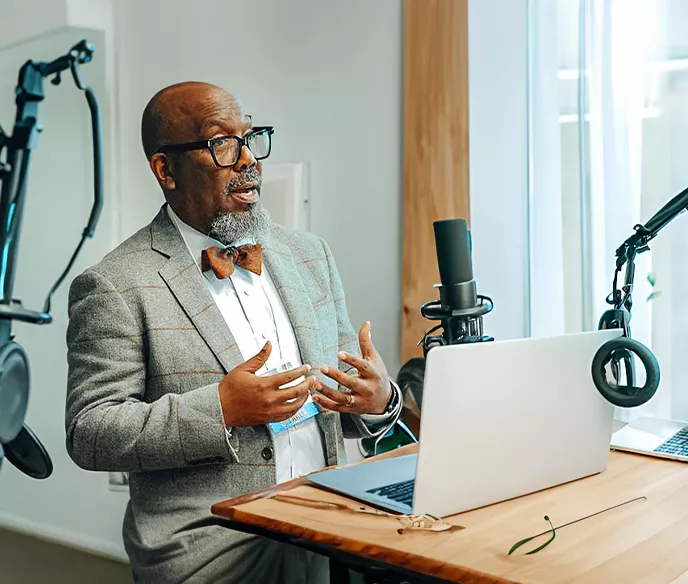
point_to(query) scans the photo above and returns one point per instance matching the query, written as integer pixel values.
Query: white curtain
(621, 46)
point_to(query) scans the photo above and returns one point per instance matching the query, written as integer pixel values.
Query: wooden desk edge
(293, 483)
(229, 509)
(376, 553)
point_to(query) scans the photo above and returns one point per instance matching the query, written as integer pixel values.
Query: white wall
(25, 19)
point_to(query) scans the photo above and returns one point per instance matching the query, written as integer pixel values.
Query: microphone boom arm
(14, 171)
(638, 243)
(618, 353)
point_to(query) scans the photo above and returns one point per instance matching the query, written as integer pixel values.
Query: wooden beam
(435, 147)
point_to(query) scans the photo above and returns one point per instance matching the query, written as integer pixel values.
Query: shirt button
(267, 453)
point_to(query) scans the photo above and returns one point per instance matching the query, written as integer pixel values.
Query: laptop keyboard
(677, 444)
(401, 492)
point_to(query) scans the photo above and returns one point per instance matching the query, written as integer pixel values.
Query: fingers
(329, 404)
(298, 404)
(348, 381)
(330, 395)
(302, 390)
(362, 366)
(336, 401)
(288, 410)
(258, 360)
(280, 379)
(366, 342)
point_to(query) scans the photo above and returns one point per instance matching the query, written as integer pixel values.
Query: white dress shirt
(255, 314)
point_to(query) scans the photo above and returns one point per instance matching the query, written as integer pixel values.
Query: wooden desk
(641, 543)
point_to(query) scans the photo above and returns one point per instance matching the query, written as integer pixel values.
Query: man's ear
(162, 168)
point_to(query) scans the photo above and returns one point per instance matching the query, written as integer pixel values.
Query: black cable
(56, 285)
(89, 230)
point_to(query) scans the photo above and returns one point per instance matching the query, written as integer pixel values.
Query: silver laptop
(500, 420)
(654, 437)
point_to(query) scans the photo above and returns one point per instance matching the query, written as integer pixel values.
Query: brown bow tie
(222, 260)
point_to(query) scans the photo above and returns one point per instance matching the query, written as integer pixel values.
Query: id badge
(308, 409)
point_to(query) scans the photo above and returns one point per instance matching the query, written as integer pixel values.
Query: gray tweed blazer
(147, 347)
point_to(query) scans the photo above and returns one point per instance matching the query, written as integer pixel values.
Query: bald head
(183, 112)
(202, 191)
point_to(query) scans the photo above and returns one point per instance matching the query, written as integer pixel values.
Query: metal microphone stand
(458, 326)
(17, 442)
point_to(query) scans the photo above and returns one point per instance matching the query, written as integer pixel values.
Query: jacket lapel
(282, 267)
(186, 282)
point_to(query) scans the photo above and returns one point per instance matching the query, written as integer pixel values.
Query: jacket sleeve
(109, 424)
(355, 425)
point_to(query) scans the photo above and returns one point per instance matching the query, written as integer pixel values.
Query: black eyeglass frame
(209, 144)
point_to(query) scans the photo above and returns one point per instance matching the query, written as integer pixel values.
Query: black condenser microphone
(452, 241)
(460, 308)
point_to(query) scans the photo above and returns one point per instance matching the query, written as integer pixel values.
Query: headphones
(618, 355)
(618, 352)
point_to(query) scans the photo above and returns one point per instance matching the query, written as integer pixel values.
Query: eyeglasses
(226, 150)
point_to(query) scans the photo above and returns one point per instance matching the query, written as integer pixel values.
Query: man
(193, 345)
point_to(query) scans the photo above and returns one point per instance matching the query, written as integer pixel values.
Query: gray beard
(229, 228)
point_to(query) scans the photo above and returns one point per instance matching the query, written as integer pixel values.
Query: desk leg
(339, 572)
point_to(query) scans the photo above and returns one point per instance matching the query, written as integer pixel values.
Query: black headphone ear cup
(14, 390)
(28, 454)
(625, 396)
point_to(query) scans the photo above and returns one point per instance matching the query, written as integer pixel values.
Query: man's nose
(246, 159)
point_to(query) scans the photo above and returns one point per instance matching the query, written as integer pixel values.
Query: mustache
(250, 176)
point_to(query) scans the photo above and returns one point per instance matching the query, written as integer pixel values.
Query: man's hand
(369, 391)
(250, 400)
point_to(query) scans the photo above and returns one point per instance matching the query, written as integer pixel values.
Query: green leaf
(652, 278)
(654, 294)
(518, 544)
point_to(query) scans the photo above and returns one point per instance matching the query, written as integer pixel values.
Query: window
(622, 90)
